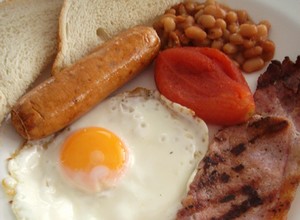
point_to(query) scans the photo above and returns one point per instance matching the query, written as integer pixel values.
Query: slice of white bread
(85, 24)
(28, 44)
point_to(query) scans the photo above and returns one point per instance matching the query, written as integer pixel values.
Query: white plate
(285, 19)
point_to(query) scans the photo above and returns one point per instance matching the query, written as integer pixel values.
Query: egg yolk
(93, 158)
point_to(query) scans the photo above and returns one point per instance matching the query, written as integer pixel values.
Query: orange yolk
(90, 148)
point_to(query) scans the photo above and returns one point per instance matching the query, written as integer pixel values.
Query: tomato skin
(206, 81)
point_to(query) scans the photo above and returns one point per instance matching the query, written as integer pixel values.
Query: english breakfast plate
(285, 32)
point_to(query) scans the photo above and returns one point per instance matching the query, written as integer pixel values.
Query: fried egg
(131, 157)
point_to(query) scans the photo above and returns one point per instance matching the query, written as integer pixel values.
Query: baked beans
(211, 24)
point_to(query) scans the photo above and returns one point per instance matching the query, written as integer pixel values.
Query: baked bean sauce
(211, 24)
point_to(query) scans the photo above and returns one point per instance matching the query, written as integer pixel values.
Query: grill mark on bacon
(253, 200)
(212, 179)
(227, 198)
(212, 161)
(238, 168)
(264, 127)
(237, 150)
(224, 178)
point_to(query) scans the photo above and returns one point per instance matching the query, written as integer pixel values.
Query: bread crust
(66, 96)
(61, 22)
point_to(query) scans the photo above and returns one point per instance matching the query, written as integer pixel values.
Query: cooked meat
(249, 172)
(278, 91)
(252, 171)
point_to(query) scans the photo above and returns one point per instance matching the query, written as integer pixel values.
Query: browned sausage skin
(63, 98)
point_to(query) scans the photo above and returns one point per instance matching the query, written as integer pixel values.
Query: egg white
(165, 140)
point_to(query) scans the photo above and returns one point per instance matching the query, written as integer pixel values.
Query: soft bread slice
(28, 44)
(85, 24)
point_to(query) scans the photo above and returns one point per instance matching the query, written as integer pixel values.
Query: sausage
(61, 99)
